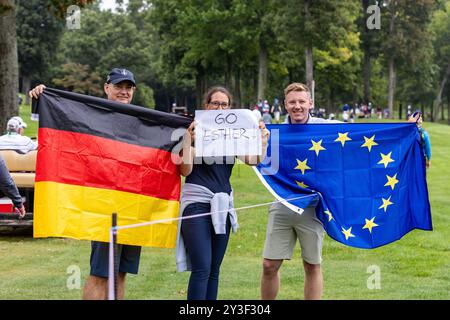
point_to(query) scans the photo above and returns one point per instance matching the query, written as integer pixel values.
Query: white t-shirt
(15, 141)
(312, 119)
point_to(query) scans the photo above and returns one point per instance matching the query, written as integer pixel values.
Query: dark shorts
(129, 257)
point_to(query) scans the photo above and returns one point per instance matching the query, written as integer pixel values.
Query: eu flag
(367, 181)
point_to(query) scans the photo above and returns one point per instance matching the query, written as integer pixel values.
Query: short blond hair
(296, 86)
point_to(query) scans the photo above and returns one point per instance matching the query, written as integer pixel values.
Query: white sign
(226, 133)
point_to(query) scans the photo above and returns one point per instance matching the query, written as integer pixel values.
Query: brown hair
(211, 91)
(296, 86)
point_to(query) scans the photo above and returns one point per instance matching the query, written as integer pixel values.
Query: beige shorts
(286, 226)
(276, 115)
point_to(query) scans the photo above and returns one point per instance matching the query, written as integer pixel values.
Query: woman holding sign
(207, 208)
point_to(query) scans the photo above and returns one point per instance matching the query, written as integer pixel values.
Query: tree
(369, 26)
(79, 78)
(9, 75)
(99, 46)
(325, 34)
(9, 69)
(440, 27)
(405, 34)
(207, 42)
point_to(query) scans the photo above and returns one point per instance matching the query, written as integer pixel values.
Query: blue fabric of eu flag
(367, 181)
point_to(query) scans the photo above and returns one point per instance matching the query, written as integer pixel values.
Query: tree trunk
(309, 67)
(367, 63)
(228, 72)
(440, 92)
(448, 107)
(366, 76)
(392, 73)
(432, 112)
(332, 106)
(199, 77)
(255, 86)
(26, 86)
(391, 86)
(262, 74)
(9, 69)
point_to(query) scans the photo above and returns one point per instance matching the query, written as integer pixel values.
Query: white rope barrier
(143, 224)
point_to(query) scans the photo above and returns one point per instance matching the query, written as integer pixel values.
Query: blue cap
(118, 75)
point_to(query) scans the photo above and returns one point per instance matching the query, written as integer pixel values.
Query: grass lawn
(415, 267)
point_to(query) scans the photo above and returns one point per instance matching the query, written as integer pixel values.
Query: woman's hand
(190, 135)
(265, 134)
(187, 151)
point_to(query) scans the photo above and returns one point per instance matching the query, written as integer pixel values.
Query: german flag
(96, 157)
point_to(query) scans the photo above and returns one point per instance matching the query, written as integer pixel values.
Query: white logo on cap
(124, 72)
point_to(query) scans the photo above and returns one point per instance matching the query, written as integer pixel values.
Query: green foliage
(440, 29)
(101, 45)
(79, 78)
(179, 48)
(59, 7)
(38, 34)
(144, 97)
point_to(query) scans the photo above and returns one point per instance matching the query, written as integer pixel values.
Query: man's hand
(20, 211)
(414, 118)
(34, 93)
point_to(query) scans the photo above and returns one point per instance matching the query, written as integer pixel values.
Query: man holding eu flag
(362, 183)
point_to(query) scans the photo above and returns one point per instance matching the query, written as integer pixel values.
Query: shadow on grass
(12, 234)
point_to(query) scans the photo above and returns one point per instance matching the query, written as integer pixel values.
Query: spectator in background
(267, 118)
(379, 114)
(276, 109)
(369, 110)
(408, 111)
(257, 113)
(345, 112)
(260, 105)
(14, 138)
(265, 107)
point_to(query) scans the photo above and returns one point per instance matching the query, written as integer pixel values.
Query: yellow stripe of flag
(85, 213)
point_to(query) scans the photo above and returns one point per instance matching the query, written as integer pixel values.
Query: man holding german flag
(100, 156)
